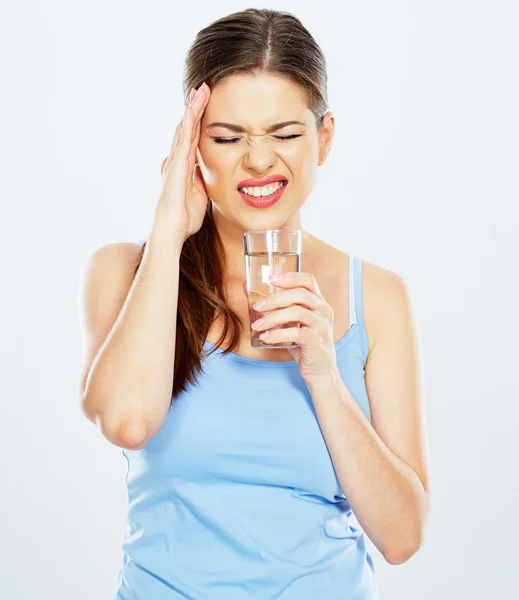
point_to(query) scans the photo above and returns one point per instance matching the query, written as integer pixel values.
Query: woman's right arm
(126, 391)
(129, 324)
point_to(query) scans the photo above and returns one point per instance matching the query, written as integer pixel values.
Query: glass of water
(269, 252)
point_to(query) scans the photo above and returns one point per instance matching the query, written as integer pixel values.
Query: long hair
(252, 41)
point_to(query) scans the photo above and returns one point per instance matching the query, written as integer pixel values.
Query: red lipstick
(263, 202)
(260, 182)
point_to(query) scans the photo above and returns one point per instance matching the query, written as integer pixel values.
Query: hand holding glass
(269, 252)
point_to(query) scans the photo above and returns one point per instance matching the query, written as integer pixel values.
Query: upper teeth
(265, 190)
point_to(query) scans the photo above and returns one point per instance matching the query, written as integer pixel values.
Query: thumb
(198, 180)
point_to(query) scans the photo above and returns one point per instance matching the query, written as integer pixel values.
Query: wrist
(326, 381)
(166, 232)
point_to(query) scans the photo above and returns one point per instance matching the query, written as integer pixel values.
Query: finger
(199, 106)
(194, 146)
(196, 108)
(162, 165)
(285, 316)
(176, 136)
(196, 127)
(293, 278)
(300, 335)
(195, 141)
(198, 181)
(181, 155)
(292, 296)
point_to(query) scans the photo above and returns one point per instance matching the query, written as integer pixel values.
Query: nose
(259, 155)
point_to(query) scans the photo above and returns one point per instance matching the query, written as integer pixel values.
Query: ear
(326, 134)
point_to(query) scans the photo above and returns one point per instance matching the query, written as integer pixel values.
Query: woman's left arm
(383, 467)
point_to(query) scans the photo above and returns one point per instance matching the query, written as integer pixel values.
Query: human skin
(256, 103)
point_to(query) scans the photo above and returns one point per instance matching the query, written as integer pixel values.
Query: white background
(422, 180)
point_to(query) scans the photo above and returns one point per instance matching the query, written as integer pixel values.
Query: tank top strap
(353, 312)
(356, 301)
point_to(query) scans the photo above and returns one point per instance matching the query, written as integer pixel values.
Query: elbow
(401, 555)
(129, 433)
(398, 558)
(405, 549)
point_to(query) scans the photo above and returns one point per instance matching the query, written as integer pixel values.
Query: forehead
(257, 101)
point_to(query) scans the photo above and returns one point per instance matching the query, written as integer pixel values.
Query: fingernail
(276, 277)
(197, 93)
(259, 304)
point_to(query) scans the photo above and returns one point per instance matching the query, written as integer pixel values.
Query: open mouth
(264, 201)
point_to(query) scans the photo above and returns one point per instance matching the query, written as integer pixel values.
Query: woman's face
(227, 157)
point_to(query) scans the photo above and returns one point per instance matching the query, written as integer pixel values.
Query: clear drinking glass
(268, 252)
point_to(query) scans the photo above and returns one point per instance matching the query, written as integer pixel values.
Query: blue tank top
(236, 497)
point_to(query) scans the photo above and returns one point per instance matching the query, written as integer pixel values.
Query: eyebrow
(240, 129)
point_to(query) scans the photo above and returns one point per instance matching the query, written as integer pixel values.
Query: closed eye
(233, 140)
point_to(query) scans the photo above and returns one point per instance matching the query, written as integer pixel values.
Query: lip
(259, 202)
(260, 182)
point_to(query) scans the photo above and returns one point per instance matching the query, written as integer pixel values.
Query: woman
(244, 464)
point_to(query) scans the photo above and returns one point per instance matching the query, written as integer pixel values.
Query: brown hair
(252, 41)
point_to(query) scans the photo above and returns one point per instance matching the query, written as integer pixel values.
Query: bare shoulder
(379, 281)
(384, 292)
(109, 270)
(126, 252)
(118, 260)
(386, 300)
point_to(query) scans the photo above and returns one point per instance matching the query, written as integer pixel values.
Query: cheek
(216, 159)
(305, 176)
(215, 170)
(297, 154)
(303, 167)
